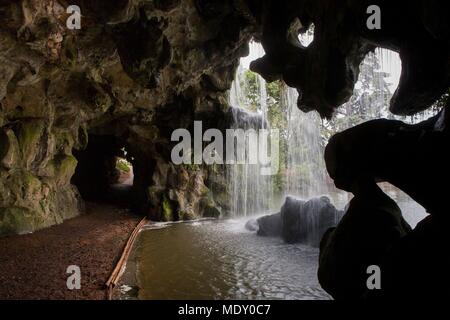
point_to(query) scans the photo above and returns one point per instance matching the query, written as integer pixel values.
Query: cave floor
(33, 266)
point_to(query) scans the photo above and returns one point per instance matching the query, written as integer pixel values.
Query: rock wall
(135, 71)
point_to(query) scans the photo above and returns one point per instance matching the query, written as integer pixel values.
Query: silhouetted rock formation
(416, 267)
(373, 232)
(371, 225)
(401, 154)
(326, 71)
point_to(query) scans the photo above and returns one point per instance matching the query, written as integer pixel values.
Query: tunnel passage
(104, 172)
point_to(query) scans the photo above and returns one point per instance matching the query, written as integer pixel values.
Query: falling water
(305, 175)
(250, 191)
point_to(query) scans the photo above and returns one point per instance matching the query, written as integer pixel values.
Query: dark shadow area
(104, 172)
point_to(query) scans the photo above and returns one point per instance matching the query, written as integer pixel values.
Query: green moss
(65, 169)
(64, 140)
(186, 215)
(23, 185)
(70, 51)
(208, 207)
(167, 210)
(30, 181)
(16, 220)
(28, 136)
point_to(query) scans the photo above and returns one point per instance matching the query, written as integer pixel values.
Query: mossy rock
(102, 102)
(9, 149)
(65, 140)
(154, 195)
(28, 135)
(23, 186)
(208, 207)
(168, 210)
(211, 212)
(187, 215)
(65, 169)
(16, 220)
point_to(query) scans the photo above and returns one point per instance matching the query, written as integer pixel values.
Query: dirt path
(34, 266)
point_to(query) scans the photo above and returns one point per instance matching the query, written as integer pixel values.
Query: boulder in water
(299, 221)
(270, 226)
(307, 221)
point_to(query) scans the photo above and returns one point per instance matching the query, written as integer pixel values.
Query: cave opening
(104, 172)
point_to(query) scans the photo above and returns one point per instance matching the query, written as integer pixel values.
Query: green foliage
(370, 100)
(123, 165)
(277, 117)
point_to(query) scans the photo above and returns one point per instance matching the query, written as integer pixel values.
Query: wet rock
(270, 226)
(306, 221)
(299, 221)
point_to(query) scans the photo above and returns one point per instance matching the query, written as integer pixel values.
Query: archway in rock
(105, 171)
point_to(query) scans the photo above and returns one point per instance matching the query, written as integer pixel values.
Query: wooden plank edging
(118, 270)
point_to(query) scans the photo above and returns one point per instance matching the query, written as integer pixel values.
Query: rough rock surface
(135, 71)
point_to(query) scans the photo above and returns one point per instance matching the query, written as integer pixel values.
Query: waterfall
(306, 171)
(251, 192)
(305, 134)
